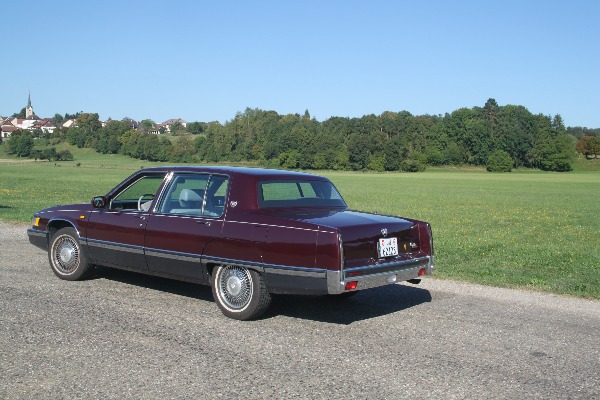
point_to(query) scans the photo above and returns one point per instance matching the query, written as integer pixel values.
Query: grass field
(524, 229)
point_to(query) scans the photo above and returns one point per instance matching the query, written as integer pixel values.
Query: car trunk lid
(361, 232)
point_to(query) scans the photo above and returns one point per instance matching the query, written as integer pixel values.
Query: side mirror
(99, 202)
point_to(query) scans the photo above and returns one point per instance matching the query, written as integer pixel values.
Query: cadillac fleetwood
(246, 232)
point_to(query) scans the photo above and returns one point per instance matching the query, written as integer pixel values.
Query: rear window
(297, 193)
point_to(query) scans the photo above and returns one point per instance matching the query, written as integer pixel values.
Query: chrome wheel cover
(235, 287)
(65, 255)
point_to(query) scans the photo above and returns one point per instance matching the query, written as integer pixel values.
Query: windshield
(298, 193)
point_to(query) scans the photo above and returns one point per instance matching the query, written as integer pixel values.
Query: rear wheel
(239, 292)
(66, 258)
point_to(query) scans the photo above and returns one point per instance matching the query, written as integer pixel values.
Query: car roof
(256, 173)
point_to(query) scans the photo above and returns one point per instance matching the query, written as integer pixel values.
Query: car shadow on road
(180, 288)
(364, 305)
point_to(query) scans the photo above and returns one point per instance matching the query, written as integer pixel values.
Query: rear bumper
(378, 275)
(38, 238)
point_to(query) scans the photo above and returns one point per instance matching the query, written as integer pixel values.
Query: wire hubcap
(235, 287)
(66, 255)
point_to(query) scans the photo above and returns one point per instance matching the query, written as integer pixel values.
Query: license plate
(387, 247)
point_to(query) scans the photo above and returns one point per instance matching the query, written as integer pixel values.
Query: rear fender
(426, 238)
(231, 251)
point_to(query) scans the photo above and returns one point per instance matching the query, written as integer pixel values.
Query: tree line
(499, 137)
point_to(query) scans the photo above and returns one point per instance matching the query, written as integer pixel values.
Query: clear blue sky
(207, 60)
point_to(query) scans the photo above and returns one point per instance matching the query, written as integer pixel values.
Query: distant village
(32, 122)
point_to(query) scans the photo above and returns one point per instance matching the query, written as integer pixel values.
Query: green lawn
(526, 229)
(522, 229)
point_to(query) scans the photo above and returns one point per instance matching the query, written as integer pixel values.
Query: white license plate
(387, 247)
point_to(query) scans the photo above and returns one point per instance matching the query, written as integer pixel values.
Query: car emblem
(384, 232)
(233, 203)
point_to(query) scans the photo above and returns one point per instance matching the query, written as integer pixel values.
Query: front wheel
(239, 292)
(66, 258)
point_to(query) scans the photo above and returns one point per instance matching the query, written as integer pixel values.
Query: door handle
(207, 223)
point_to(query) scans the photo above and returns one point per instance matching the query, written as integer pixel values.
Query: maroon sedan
(247, 232)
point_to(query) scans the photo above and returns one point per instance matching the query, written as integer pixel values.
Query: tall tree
(21, 114)
(20, 144)
(57, 119)
(195, 128)
(147, 125)
(589, 146)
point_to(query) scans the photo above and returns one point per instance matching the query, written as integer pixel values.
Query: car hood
(80, 207)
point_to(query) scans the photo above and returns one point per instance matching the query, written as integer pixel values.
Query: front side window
(297, 193)
(138, 195)
(196, 194)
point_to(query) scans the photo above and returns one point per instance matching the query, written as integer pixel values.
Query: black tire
(239, 292)
(67, 260)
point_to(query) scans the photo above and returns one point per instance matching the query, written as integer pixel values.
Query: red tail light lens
(351, 285)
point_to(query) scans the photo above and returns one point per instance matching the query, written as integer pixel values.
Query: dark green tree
(76, 136)
(108, 137)
(146, 125)
(306, 116)
(377, 162)
(65, 155)
(58, 119)
(49, 154)
(21, 114)
(195, 128)
(290, 159)
(130, 143)
(562, 154)
(89, 122)
(499, 161)
(73, 116)
(358, 151)
(183, 149)
(177, 129)
(395, 151)
(412, 165)
(20, 144)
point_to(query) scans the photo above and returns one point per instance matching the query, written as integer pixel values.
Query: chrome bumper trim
(36, 233)
(379, 275)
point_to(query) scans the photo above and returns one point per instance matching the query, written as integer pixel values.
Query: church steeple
(28, 109)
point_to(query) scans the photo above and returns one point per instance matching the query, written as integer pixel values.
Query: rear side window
(196, 194)
(297, 193)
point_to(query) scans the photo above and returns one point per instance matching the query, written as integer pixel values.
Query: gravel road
(124, 335)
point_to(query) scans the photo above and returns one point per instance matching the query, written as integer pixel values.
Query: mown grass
(523, 229)
(583, 164)
(526, 229)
